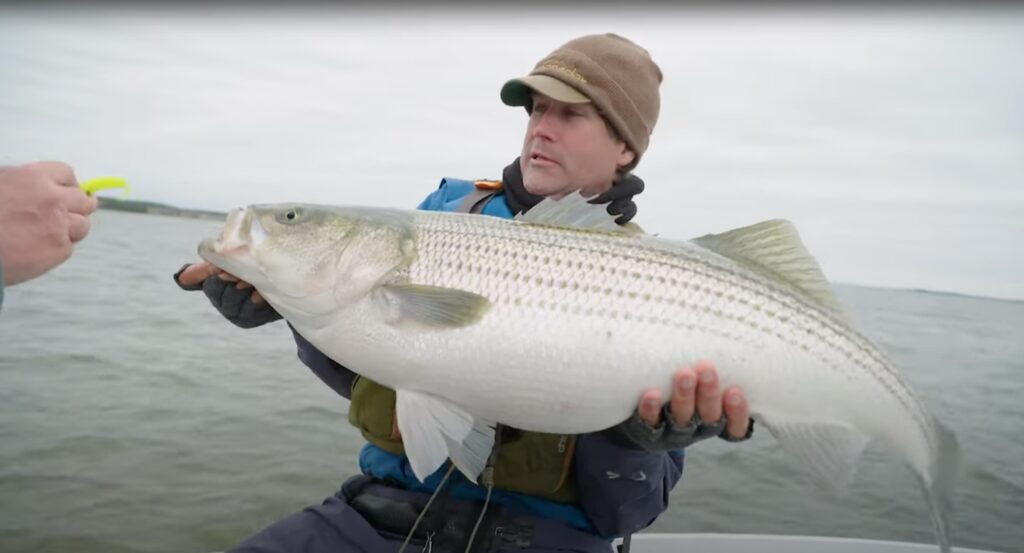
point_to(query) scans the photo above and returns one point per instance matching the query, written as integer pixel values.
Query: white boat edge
(655, 542)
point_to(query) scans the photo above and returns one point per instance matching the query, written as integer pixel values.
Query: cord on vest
(426, 507)
(487, 479)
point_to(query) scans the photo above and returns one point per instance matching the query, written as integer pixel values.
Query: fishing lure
(97, 184)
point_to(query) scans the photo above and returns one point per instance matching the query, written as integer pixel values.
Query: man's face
(569, 148)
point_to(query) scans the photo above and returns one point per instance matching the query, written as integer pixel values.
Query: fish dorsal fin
(774, 248)
(574, 211)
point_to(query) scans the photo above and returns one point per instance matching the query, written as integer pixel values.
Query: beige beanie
(614, 73)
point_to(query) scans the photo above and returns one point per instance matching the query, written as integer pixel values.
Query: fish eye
(290, 216)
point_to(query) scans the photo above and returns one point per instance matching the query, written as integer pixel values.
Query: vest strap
(475, 201)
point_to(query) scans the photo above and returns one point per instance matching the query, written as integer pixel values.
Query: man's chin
(543, 186)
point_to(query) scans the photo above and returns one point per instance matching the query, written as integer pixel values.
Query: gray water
(134, 418)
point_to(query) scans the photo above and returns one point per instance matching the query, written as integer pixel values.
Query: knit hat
(614, 73)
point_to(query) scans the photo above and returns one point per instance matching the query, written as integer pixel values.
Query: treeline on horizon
(140, 206)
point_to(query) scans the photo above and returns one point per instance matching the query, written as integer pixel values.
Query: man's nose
(544, 126)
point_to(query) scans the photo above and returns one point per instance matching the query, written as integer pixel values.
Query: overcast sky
(892, 138)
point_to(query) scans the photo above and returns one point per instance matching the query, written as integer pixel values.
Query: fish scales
(625, 280)
(694, 286)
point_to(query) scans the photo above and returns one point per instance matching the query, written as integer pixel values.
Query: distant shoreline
(947, 293)
(137, 206)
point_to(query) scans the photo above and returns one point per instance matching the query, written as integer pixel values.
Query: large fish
(559, 321)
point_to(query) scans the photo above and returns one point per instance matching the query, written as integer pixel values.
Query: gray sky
(893, 139)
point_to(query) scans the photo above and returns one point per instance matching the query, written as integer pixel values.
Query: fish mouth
(235, 243)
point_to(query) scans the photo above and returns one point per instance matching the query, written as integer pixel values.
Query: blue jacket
(621, 489)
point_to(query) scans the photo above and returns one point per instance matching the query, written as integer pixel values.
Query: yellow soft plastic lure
(93, 186)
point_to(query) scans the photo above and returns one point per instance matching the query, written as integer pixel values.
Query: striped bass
(559, 321)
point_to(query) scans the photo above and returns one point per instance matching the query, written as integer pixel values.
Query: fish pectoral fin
(431, 306)
(574, 211)
(774, 248)
(434, 429)
(829, 450)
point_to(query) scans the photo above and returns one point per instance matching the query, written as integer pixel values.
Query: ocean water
(134, 418)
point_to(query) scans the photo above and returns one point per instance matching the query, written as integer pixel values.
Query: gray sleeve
(332, 373)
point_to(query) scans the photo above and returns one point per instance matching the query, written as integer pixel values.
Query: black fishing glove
(667, 435)
(234, 304)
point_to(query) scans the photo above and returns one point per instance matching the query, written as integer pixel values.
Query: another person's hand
(697, 409)
(229, 294)
(43, 214)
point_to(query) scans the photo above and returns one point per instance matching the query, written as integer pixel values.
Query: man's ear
(626, 157)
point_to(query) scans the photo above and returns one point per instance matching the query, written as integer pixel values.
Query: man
(592, 104)
(43, 214)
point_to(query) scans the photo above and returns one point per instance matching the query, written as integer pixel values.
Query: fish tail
(940, 490)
